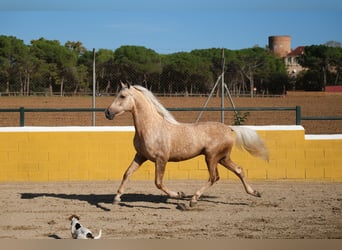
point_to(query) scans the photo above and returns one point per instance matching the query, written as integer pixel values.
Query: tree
(213, 57)
(322, 59)
(272, 77)
(105, 67)
(78, 78)
(27, 68)
(250, 61)
(139, 64)
(76, 47)
(55, 61)
(13, 53)
(186, 72)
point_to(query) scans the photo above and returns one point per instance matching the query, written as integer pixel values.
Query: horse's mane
(154, 101)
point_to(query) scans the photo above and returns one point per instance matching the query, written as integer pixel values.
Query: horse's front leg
(136, 163)
(159, 175)
(213, 177)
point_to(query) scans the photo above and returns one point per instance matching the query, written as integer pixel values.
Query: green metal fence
(23, 110)
(296, 109)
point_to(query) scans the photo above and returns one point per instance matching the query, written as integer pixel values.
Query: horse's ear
(125, 85)
(122, 84)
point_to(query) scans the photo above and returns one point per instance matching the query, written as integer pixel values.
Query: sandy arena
(286, 210)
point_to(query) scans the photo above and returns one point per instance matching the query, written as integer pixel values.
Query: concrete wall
(104, 153)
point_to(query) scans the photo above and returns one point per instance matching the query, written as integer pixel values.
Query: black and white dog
(80, 232)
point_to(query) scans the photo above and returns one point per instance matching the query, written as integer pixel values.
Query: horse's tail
(249, 140)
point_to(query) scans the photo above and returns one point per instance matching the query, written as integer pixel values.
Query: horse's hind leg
(136, 163)
(228, 163)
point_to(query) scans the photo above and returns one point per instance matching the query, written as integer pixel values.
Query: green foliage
(189, 70)
(323, 64)
(57, 63)
(141, 58)
(15, 64)
(240, 118)
(48, 66)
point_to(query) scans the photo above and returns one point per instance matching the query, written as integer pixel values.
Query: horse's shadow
(130, 200)
(92, 199)
(98, 200)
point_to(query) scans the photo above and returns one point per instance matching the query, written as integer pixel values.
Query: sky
(172, 25)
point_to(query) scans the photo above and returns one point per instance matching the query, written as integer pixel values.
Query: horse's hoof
(181, 195)
(116, 200)
(256, 194)
(181, 206)
(193, 203)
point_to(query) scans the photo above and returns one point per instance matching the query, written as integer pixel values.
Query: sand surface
(286, 210)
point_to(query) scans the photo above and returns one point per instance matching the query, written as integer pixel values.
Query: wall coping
(131, 129)
(123, 128)
(276, 127)
(324, 137)
(69, 129)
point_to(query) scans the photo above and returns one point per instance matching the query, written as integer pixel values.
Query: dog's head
(74, 217)
(75, 221)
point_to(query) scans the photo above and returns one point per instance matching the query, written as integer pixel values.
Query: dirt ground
(286, 210)
(312, 104)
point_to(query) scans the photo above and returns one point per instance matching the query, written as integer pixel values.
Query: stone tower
(279, 45)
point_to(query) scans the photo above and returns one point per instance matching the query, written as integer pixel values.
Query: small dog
(80, 232)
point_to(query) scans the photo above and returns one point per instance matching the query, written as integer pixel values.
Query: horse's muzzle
(109, 115)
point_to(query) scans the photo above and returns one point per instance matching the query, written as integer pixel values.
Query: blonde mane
(154, 101)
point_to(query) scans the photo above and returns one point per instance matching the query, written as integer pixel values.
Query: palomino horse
(160, 138)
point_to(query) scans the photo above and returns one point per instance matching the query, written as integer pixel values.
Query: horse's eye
(122, 96)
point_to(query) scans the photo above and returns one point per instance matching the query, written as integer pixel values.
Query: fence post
(22, 116)
(298, 115)
(94, 90)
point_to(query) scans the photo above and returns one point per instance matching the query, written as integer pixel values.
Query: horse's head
(123, 102)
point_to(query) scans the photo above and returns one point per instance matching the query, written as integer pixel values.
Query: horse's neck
(145, 117)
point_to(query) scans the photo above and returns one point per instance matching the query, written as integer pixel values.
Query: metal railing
(23, 110)
(296, 109)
